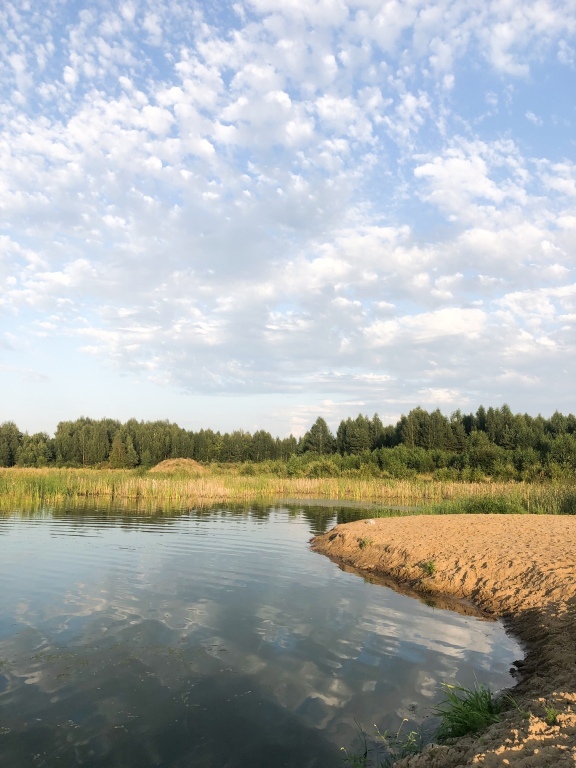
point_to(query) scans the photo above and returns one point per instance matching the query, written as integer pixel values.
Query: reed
(50, 486)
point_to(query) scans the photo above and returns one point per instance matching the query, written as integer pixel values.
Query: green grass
(551, 715)
(465, 710)
(429, 567)
(548, 499)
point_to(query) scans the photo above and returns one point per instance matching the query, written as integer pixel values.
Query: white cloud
(300, 199)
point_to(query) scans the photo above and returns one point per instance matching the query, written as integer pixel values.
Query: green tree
(563, 451)
(122, 454)
(377, 433)
(263, 446)
(236, 446)
(286, 447)
(318, 439)
(34, 451)
(10, 439)
(353, 435)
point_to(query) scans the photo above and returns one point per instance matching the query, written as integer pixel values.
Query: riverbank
(204, 485)
(520, 568)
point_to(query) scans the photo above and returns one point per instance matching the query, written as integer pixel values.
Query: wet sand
(518, 567)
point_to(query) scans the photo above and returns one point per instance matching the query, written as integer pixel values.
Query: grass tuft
(465, 710)
(551, 715)
(429, 567)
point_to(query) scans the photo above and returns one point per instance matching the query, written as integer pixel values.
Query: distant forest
(492, 442)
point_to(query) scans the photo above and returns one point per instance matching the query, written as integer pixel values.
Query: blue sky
(249, 214)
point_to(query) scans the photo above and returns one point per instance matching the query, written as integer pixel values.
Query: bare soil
(518, 567)
(173, 466)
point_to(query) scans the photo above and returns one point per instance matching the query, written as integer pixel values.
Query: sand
(518, 567)
(178, 466)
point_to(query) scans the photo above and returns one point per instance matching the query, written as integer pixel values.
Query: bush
(322, 468)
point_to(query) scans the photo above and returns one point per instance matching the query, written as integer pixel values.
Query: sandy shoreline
(519, 567)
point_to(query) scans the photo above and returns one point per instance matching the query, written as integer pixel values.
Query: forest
(493, 442)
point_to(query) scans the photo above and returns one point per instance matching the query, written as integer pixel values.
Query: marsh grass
(465, 710)
(512, 499)
(36, 487)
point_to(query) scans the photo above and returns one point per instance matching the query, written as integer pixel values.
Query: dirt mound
(173, 466)
(520, 567)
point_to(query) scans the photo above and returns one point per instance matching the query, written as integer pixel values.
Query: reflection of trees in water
(319, 519)
(128, 515)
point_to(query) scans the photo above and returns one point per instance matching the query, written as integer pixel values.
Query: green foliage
(551, 715)
(10, 438)
(491, 445)
(364, 542)
(567, 503)
(318, 439)
(465, 710)
(429, 567)
(122, 453)
(35, 451)
(483, 505)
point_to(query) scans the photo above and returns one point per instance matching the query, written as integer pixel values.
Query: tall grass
(466, 710)
(25, 487)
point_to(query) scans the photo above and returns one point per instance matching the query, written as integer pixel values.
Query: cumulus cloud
(306, 198)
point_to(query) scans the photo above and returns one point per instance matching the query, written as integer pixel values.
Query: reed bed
(23, 487)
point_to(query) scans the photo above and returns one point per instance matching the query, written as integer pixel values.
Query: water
(212, 639)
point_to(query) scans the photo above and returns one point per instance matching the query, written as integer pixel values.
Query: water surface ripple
(211, 639)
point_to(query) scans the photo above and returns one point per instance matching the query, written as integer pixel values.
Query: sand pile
(173, 466)
(519, 567)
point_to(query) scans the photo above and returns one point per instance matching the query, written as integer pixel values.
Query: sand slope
(520, 567)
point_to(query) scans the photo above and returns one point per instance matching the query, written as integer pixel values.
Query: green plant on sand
(429, 567)
(465, 710)
(551, 715)
(389, 748)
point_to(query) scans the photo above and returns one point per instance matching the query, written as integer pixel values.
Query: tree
(377, 433)
(563, 451)
(557, 424)
(236, 446)
(10, 438)
(122, 454)
(34, 451)
(263, 446)
(318, 439)
(481, 419)
(353, 435)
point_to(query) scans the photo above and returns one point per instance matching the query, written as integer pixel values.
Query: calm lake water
(211, 639)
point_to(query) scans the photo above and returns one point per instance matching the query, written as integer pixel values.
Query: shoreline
(521, 568)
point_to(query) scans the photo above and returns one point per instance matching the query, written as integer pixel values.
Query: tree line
(491, 441)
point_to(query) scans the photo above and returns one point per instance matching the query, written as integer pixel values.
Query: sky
(246, 215)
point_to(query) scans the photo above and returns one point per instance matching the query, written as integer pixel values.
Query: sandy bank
(522, 568)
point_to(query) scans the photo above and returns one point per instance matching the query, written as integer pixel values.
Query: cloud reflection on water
(217, 614)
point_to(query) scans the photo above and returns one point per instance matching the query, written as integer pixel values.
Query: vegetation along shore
(185, 483)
